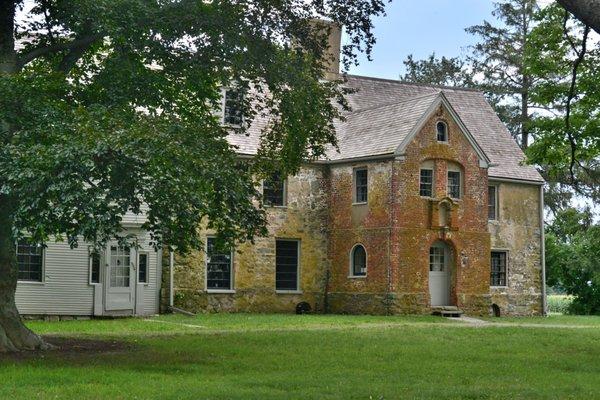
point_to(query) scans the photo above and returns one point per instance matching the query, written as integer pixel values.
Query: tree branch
(587, 11)
(77, 44)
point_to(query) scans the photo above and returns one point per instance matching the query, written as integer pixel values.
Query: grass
(313, 357)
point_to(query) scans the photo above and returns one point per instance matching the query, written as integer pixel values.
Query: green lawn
(312, 357)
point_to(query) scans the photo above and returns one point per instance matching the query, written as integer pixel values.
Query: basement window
(499, 268)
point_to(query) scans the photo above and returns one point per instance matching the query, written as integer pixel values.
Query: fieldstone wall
(517, 230)
(304, 219)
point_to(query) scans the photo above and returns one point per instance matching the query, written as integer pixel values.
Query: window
(274, 191)
(437, 257)
(492, 202)
(143, 261)
(94, 267)
(358, 258)
(286, 265)
(498, 276)
(30, 261)
(454, 184)
(120, 267)
(360, 185)
(218, 267)
(426, 183)
(442, 131)
(232, 110)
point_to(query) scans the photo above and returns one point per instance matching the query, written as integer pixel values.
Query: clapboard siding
(65, 289)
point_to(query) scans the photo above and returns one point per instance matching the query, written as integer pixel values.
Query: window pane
(359, 261)
(442, 132)
(498, 272)
(426, 183)
(29, 262)
(233, 107)
(120, 267)
(286, 265)
(454, 184)
(361, 185)
(218, 266)
(436, 259)
(274, 190)
(143, 268)
(95, 270)
(492, 212)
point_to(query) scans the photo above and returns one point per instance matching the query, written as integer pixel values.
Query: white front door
(439, 274)
(120, 279)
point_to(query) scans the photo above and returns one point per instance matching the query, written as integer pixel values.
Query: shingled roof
(384, 112)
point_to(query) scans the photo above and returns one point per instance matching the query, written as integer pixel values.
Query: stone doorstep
(447, 311)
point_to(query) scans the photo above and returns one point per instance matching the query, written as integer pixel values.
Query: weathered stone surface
(397, 227)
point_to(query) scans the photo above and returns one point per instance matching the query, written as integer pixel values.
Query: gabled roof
(386, 112)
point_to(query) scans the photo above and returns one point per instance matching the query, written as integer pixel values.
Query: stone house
(426, 204)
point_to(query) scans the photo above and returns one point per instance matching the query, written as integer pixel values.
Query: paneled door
(120, 279)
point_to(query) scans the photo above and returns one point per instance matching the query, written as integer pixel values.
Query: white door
(439, 275)
(120, 280)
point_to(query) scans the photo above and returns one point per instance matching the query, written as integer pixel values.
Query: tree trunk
(14, 336)
(525, 119)
(587, 11)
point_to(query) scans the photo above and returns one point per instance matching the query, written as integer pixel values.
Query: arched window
(358, 261)
(442, 131)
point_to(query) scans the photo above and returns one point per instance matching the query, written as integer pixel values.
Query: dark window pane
(498, 273)
(233, 107)
(218, 266)
(359, 261)
(361, 184)
(274, 190)
(286, 265)
(454, 184)
(29, 262)
(492, 211)
(426, 183)
(143, 268)
(442, 132)
(95, 272)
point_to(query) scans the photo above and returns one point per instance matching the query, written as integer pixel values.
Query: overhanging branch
(79, 43)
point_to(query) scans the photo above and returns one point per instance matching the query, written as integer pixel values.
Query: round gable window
(442, 131)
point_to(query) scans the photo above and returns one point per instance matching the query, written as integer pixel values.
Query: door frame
(133, 281)
(448, 272)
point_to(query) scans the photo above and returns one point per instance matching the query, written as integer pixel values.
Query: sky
(420, 27)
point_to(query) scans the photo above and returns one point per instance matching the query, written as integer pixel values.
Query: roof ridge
(434, 94)
(407, 83)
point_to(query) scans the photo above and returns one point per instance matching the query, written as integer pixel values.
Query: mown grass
(312, 357)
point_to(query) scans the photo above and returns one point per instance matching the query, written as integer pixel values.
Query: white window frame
(496, 201)
(90, 260)
(147, 254)
(460, 182)
(43, 281)
(355, 170)
(446, 130)
(231, 271)
(285, 194)
(507, 252)
(351, 264)
(298, 289)
(223, 103)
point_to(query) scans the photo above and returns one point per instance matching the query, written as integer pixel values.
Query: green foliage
(559, 303)
(573, 259)
(438, 71)
(108, 107)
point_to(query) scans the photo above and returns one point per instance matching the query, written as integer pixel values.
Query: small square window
(361, 189)
(454, 184)
(426, 183)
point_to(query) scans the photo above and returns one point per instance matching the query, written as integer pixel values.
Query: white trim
(231, 271)
(43, 272)
(351, 262)
(442, 100)
(298, 289)
(516, 180)
(147, 254)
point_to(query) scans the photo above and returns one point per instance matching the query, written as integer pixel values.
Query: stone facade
(397, 228)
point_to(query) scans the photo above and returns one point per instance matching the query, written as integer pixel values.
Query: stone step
(447, 311)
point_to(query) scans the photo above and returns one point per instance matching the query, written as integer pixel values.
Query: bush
(559, 303)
